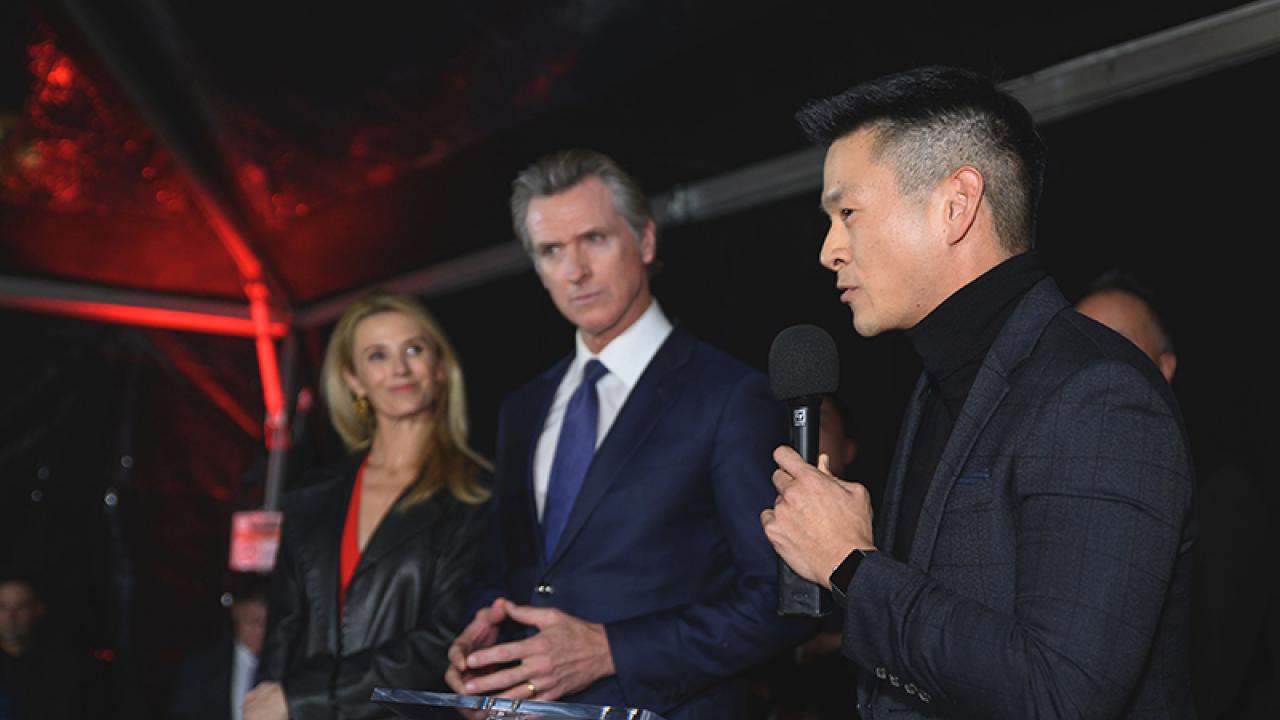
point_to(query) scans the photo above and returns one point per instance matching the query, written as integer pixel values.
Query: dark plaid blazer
(1049, 573)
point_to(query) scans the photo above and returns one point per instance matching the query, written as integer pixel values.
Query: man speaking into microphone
(1031, 557)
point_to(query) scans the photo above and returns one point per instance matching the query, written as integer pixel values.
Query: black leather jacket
(404, 605)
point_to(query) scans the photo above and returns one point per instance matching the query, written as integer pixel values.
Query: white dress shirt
(625, 358)
(244, 665)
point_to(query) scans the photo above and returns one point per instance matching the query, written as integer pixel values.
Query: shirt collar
(627, 355)
(244, 654)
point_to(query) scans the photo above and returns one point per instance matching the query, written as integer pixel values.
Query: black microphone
(803, 367)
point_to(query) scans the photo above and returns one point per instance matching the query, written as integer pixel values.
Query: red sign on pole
(255, 536)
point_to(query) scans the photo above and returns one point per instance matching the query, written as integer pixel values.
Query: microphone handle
(797, 596)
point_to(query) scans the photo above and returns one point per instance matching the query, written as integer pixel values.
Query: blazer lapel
(656, 389)
(1012, 346)
(396, 527)
(323, 517)
(989, 388)
(885, 529)
(528, 418)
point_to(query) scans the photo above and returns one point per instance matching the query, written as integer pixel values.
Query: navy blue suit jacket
(663, 545)
(203, 688)
(1049, 575)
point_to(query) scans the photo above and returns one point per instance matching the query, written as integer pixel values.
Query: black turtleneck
(952, 342)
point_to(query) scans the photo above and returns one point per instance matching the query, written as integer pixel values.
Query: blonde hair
(447, 459)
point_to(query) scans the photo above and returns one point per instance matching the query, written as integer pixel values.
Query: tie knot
(593, 371)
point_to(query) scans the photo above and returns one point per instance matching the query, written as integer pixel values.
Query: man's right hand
(480, 634)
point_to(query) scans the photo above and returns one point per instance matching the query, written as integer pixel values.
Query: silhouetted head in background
(835, 437)
(20, 612)
(246, 601)
(1123, 304)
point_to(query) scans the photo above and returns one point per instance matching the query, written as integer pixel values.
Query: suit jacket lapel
(887, 526)
(528, 419)
(1012, 346)
(323, 517)
(396, 527)
(656, 389)
(989, 388)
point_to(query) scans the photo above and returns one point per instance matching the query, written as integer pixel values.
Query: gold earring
(363, 414)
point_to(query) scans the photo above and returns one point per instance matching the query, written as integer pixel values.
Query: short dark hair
(559, 171)
(931, 120)
(1119, 280)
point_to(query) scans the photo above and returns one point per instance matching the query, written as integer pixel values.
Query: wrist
(606, 667)
(841, 577)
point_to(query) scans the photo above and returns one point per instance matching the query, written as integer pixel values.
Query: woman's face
(395, 366)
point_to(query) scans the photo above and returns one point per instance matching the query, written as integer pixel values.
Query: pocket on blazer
(972, 489)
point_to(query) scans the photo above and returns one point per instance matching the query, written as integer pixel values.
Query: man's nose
(834, 252)
(579, 264)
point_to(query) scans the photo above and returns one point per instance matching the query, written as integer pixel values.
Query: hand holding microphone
(803, 366)
(817, 519)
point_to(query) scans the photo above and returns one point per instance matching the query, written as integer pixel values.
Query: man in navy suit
(629, 481)
(1031, 557)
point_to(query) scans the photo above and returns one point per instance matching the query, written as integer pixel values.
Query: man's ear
(1168, 364)
(649, 242)
(961, 197)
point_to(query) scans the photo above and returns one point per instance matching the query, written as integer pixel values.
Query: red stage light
(147, 317)
(277, 420)
(62, 73)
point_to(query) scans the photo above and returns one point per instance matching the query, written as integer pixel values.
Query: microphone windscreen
(803, 361)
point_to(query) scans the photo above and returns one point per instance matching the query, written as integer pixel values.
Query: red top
(350, 554)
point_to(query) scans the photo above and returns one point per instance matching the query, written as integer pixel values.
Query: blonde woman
(368, 589)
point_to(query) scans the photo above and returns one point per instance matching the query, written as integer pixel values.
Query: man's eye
(547, 251)
(845, 213)
(595, 238)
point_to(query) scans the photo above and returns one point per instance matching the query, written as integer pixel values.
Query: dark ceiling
(359, 141)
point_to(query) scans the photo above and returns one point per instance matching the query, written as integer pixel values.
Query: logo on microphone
(800, 417)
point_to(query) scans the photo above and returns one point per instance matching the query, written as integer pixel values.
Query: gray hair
(555, 173)
(924, 152)
(929, 121)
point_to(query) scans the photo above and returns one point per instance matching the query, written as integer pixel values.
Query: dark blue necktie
(573, 454)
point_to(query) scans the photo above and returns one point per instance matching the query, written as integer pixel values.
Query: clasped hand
(564, 656)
